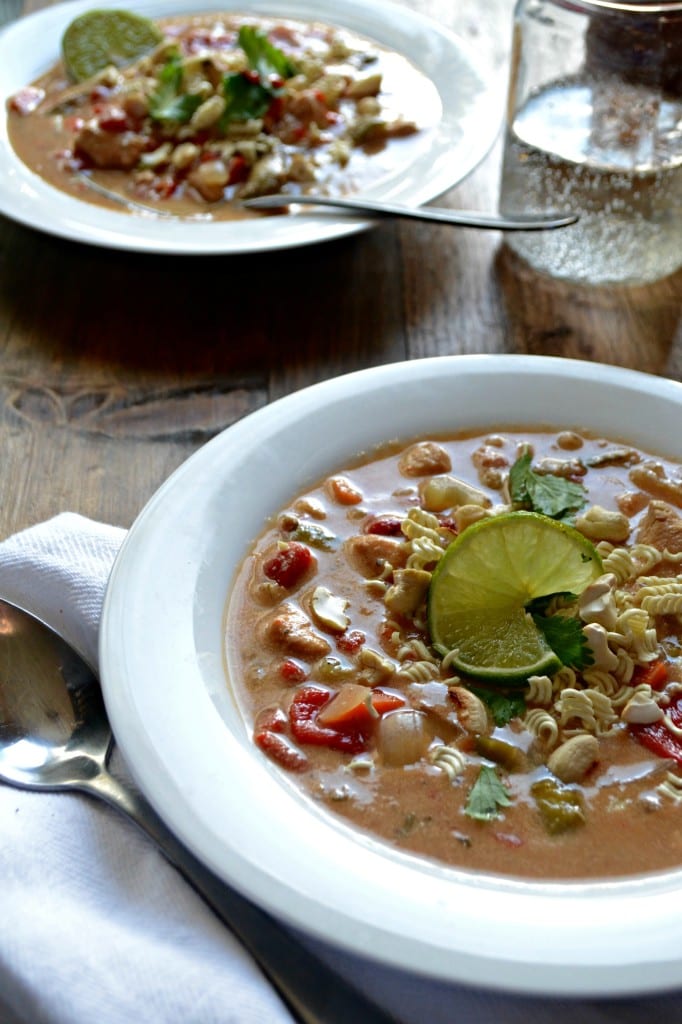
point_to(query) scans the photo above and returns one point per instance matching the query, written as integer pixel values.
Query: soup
(206, 119)
(570, 773)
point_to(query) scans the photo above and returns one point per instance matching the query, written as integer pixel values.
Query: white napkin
(97, 928)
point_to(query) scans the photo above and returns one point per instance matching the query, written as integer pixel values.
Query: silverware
(462, 218)
(55, 735)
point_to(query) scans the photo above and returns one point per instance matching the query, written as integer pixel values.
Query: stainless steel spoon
(54, 734)
(461, 218)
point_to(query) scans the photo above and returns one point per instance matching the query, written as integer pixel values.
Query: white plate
(180, 731)
(471, 114)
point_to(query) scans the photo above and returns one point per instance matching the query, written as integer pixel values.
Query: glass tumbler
(594, 127)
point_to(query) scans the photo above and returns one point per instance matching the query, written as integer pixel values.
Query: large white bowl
(180, 730)
(469, 94)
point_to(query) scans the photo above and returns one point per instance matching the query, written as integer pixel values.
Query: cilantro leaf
(168, 104)
(550, 495)
(263, 56)
(246, 99)
(487, 795)
(503, 706)
(565, 636)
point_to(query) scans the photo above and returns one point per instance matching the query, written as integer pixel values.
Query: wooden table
(115, 367)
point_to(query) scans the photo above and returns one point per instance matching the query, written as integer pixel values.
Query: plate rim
(28, 200)
(432, 953)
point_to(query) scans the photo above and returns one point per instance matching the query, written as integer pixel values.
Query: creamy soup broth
(280, 643)
(353, 113)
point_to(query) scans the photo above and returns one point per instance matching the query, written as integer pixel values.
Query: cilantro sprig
(249, 95)
(563, 633)
(263, 57)
(550, 495)
(487, 796)
(502, 706)
(168, 104)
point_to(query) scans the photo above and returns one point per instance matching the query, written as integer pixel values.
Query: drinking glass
(594, 126)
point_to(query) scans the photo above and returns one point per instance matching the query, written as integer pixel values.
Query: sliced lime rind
(484, 581)
(101, 38)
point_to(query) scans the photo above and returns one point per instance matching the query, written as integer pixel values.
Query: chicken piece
(424, 459)
(292, 632)
(661, 527)
(369, 553)
(115, 150)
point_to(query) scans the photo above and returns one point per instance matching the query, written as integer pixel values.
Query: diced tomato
(290, 565)
(281, 750)
(655, 674)
(114, 120)
(271, 720)
(237, 169)
(26, 100)
(291, 671)
(165, 187)
(385, 526)
(303, 712)
(251, 76)
(351, 641)
(658, 738)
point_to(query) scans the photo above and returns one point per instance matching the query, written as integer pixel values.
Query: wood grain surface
(115, 367)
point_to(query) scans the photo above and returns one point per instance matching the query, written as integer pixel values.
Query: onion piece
(402, 737)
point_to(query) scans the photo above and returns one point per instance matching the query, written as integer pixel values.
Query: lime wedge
(97, 39)
(483, 583)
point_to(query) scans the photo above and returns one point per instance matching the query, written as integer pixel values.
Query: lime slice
(485, 579)
(97, 39)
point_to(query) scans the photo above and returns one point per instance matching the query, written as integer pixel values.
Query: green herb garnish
(245, 98)
(249, 95)
(488, 794)
(550, 495)
(263, 56)
(564, 634)
(503, 706)
(168, 104)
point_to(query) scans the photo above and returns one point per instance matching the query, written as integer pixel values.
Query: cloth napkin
(97, 928)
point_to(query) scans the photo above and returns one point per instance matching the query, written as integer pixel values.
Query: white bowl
(181, 732)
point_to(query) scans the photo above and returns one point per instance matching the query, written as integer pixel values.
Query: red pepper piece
(655, 674)
(237, 169)
(658, 738)
(385, 526)
(271, 720)
(351, 641)
(114, 120)
(289, 566)
(291, 671)
(303, 712)
(281, 750)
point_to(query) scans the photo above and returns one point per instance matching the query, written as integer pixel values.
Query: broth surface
(282, 644)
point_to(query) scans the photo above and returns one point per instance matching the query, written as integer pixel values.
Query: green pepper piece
(502, 753)
(561, 808)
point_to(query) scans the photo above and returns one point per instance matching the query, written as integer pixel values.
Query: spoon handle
(461, 218)
(312, 992)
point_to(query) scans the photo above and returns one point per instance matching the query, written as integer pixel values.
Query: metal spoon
(462, 218)
(54, 734)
